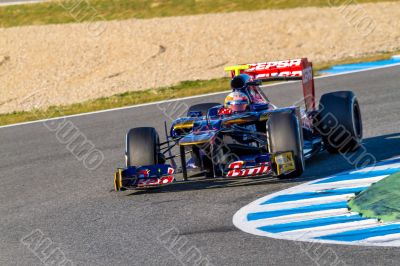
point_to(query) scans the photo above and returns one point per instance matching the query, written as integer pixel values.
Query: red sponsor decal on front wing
(144, 173)
(155, 181)
(237, 169)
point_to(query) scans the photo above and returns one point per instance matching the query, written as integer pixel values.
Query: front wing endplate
(284, 163)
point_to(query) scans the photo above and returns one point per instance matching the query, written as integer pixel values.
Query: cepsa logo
(287, 68)
(238, 170)
(275, 64)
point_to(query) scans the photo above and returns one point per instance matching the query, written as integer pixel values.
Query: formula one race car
(247, 135)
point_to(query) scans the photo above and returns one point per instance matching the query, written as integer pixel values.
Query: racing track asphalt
(43, 186)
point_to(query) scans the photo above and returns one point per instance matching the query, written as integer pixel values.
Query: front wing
(154, 176)
(144, 177)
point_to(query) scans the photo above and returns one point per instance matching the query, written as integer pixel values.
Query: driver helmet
(237, 101)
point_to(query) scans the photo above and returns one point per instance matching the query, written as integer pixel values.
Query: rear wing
(296, 69)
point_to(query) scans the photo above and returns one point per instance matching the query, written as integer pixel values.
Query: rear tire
(339, 121)
(142, 147)
(284, 134)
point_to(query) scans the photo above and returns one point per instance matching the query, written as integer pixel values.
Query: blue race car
(247, 135)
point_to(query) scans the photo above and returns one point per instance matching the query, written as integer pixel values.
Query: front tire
(284, 134)
(142, 147)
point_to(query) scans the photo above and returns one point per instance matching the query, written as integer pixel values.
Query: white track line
(392, 239)
(306, 202)
(298, 217)
(13, 3)
(311, 233)
(346, 183)
(185, 98)
(377, 168)
(253, 208)
(319, 188)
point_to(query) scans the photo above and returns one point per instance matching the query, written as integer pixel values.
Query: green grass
(381, 200)
(92, 10)
(184, 89)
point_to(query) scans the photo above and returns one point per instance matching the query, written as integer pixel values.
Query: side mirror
(196, 114)
(259, 107)
(256, 82)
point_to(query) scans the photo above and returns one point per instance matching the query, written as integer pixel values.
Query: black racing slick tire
(339, 121)
(202, 107)
(142, 147)
(284, 134)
